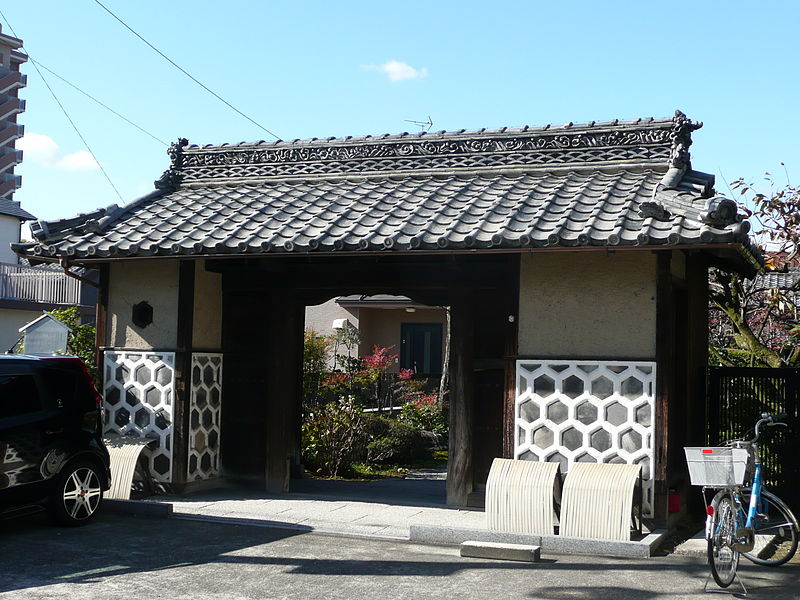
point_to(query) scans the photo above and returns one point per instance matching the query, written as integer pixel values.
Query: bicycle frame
(755, 494)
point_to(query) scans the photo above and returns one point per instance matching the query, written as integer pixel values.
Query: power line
(66, 114)
(88, 95)
(185, 72)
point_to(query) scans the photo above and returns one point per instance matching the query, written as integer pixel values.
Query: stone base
(434, 534)
(499, 551)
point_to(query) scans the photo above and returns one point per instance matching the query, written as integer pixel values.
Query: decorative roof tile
(787, 280)
(598, 184)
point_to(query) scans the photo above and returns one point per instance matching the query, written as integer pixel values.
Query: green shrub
(425, 414)
(81, 340)
(333, 437)
(316, 350)
(396, 442)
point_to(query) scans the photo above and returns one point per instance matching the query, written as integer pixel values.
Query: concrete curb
(137, 507)
(434, 534)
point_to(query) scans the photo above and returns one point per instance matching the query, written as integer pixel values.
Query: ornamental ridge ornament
(681, 137)
(245, 156)
(172, 177)
(640, 143)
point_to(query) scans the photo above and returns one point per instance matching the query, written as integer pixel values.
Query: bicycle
(742, 519)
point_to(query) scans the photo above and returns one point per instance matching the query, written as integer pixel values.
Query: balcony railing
(36, 284)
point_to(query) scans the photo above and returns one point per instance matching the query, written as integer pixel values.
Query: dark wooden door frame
(280, 289)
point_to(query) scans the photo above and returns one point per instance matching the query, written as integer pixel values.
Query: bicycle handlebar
(770, 421)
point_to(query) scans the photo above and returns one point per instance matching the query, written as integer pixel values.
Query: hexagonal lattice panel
(145, 380)
(587, 411)
(204, 415)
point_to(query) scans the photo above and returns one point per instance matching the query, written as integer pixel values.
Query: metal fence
(737, 397)
(34, 284)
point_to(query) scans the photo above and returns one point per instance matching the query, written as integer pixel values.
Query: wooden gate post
(284, 367)
(460, 470)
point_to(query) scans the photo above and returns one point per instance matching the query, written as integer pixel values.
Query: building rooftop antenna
(423, 125)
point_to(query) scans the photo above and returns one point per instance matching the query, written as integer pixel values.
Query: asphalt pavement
(136, 557)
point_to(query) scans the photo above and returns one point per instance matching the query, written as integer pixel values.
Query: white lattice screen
(204, 416)
(139, 393)
(587, 411)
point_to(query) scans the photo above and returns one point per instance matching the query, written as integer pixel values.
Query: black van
(51, 445)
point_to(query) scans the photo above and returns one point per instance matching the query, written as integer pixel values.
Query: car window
(18, 395)
(60, 386)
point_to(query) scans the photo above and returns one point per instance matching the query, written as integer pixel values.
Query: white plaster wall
(10, 322)
(321, 317)
(207, 326)
(588, 305)
(131, 282)
(9, 234)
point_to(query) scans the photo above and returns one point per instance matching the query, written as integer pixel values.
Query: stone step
(494, 550)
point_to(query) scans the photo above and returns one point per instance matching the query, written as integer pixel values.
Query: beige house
(414, 331)
(574, 261)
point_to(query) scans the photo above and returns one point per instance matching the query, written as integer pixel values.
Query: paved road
(142, 558)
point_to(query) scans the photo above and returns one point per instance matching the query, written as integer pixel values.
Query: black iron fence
(737, 397)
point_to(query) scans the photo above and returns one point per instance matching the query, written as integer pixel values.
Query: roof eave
(736, 253)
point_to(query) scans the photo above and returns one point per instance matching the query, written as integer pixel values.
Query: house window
(421, 347)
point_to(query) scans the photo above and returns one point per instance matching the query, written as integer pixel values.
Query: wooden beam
(460, 468)
(665, 337)
(697, 359)
(183, 372)
(359, 275)
(283, 390)
(511, 350)
(101, 317)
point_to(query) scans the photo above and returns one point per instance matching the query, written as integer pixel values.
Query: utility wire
(184, 71)
(88, 95)
(66, 114)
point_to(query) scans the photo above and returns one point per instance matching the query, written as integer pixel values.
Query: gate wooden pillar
(283, 390)
(460, 467)
(243, 420)
(262, 344)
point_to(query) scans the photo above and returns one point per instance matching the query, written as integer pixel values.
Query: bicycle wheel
(775, 531)
(722, 558)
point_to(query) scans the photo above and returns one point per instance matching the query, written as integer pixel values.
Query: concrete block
(137, 507)
(520, 552)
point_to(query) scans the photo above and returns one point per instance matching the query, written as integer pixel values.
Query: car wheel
(77, 494)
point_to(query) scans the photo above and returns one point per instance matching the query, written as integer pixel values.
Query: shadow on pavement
(36, 555)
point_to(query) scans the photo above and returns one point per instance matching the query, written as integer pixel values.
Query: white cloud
(77, 161)
(396, 70)
(43, 150)
(39, 148)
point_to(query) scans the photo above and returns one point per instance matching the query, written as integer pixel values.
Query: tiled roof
(13, 209)
(781, 281)
(599, 184)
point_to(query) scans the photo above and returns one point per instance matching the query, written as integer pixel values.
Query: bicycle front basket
(717, 467)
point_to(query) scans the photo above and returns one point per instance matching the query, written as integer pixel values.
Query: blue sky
(318, 69)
